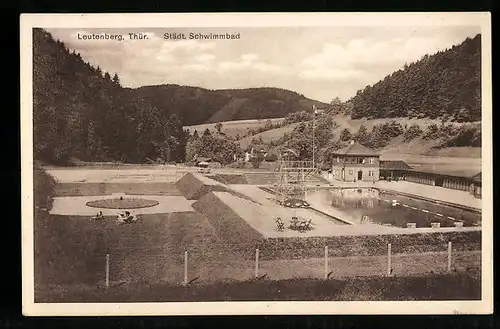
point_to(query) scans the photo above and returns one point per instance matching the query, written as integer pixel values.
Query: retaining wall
(194, 186)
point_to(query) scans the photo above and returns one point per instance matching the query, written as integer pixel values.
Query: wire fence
(195, 266)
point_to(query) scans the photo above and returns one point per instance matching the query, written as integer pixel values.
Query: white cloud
(205, 58)
(196, 67)
(334, 74)
(249, 57)
(359, 58)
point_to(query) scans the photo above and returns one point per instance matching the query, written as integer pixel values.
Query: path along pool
(382, 207)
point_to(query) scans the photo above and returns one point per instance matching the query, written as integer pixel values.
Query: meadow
(234, 128)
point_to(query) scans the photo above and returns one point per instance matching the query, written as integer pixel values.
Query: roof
(476, 178)
(443, 171)
(356, 149)
(394, 165)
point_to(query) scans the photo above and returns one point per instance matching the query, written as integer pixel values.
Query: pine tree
(116, 79)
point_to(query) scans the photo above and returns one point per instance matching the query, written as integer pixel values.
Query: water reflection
(355, 198)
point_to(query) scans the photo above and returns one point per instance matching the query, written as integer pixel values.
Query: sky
(320, 63)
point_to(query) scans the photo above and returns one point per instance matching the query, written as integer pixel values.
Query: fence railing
(326, 272)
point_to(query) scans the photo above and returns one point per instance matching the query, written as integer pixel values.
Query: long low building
(356, 162)
(462, 182)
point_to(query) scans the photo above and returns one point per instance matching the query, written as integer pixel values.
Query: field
(268, 135)
(233, 128)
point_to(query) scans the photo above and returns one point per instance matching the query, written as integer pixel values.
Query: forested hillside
(445, 85)
(80, 111)
(195, 105)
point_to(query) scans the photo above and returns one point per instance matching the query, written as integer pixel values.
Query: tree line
(80, 111)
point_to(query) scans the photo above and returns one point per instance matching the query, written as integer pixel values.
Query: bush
(432, 132)
(345, 135)
(271, 157)
(413, 132)
(465, 136)
(44, 188)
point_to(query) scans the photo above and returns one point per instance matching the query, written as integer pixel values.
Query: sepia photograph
(256, 163)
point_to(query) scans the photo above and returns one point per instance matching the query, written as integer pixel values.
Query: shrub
(432, 132)
(413, 132)
(44, 188)
(345, 135)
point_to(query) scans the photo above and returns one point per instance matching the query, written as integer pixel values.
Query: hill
(194, 105)
(80, 111)
(445, 85)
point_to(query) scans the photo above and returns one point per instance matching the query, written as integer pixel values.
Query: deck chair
(305, 225)
(279, 224)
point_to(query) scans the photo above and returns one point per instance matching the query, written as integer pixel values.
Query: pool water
(371, 205)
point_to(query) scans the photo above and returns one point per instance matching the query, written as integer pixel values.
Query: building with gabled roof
(393, 169)
(356, 162)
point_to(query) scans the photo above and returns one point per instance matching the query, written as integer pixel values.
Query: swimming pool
(382, 207)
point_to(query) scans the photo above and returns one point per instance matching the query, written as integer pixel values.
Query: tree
(362, 134)
(116, 79)
(432, 132)
(345, 135)
(206, 132)
(412, 132)
(218, 126)
(336, 101)
(257, 159)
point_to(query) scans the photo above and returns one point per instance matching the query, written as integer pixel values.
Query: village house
(356, 162)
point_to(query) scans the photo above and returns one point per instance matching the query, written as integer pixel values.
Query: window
(370, 173)
(372, 160)
(363, 161)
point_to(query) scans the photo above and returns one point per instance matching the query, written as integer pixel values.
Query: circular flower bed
(125, 203)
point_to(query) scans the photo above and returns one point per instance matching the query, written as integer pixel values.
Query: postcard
(243, 163)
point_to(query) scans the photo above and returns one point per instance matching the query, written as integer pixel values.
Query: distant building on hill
(356, 162)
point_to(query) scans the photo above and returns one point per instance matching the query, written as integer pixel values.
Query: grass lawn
(126, 203)
(455, 286)
(70, 257)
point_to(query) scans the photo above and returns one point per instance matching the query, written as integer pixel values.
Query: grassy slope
(418, 151)
(232, 128)
(268, 135)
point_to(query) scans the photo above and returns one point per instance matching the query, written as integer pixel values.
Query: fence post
(389, 266)
(449, 256)
(326, 262)
(185, 268)
(257, 262)
(107, 270)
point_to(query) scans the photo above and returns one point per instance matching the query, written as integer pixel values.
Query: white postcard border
(145, 20)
